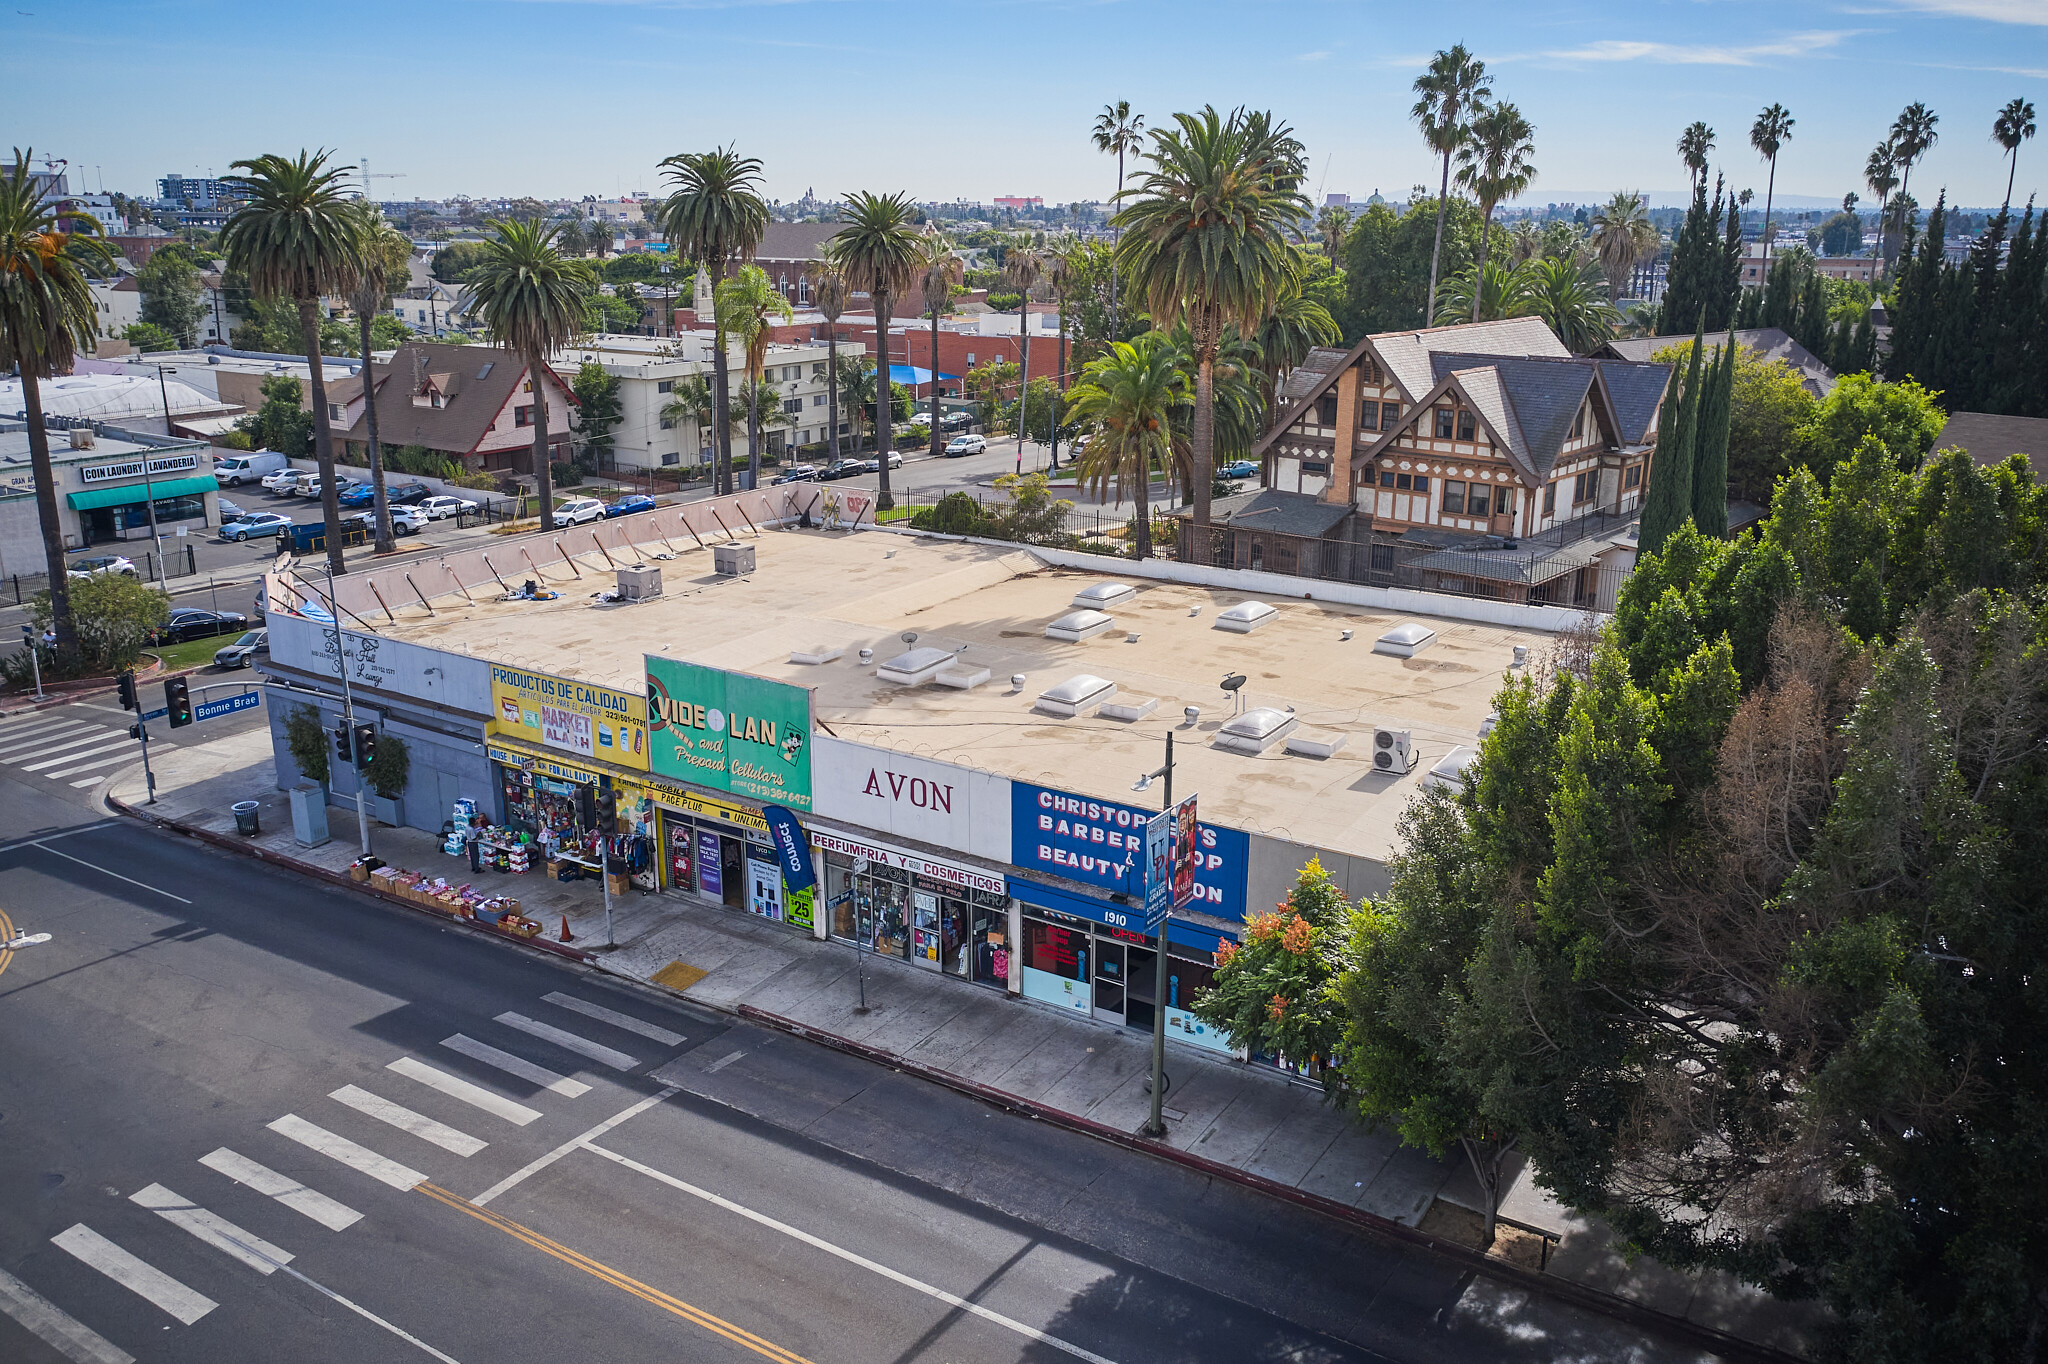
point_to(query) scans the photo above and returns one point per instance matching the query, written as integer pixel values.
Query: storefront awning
(134, 493)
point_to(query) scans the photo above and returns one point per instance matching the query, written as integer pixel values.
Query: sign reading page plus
(1102, 843)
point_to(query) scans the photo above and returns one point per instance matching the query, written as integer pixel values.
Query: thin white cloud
(1310, 56)
(1694, 54)
(1996, 11)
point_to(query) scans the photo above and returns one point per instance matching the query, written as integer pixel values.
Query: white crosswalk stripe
(615, 1018)
(405, 1120)
(49, 740)
(123, 742)
(112, 758)
(596, 1051)
(335, 1147)
(138, 1276)
(286, 1190)
(59, 1329)
(42, 723)
(474, 1095)
(515, 1065)
(210, 1227)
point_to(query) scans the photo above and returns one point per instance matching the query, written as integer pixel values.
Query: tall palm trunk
(1443, 195)
(750, 394)
(323, 438)
(1204, 436)
(832, 385)
(1023, 368)
(1116, 296)
(885, 404)
(543, 475)
(1479, 276)
(1770, 187)
(2006, 207)
(938, 431)
(1877, 252)
(1145, 508)
(380, 506)
(721, 390)
(1060, 384)
(46, 516)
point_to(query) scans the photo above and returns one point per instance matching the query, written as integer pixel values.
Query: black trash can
(245, 817)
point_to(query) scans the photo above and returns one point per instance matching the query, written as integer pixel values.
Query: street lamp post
(348, 715)
(1156, 1126)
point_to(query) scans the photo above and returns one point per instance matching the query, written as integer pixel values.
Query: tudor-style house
(1487, 439)
(473, 404)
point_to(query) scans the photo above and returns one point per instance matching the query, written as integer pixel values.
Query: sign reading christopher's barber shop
(730, 731)
(1102, 843)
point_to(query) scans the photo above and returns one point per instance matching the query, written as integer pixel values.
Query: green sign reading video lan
(730, 731)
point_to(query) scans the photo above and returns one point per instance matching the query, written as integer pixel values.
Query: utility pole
(348, 715)
(149, 486)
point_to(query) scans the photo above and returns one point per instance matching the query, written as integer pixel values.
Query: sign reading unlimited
(1102, 843)
(730, 731)
(569, 716)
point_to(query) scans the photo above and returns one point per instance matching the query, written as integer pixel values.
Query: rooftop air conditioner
(1393, 750)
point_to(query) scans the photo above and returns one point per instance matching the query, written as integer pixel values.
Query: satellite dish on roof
(1233, 682)
(909, 636)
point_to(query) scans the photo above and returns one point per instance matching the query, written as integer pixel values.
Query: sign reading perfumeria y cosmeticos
(730, 731)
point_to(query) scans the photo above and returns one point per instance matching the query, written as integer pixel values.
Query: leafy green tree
(1275, 990)
(1387, 255)
(530, 300)
(148, 336)
(282, 423)
(1710, 448)
(1903, 417)
(456, 262)
(298, 237)
(1668, 503)
(170, 294)
(598, 410)
(876, 250)
(1207, 243)
(47, 315)
(114, 614)
(986, 384)
(1032, 516)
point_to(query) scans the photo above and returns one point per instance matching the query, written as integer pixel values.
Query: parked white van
(232, 471)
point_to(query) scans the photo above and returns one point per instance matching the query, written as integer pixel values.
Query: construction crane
(368, 188)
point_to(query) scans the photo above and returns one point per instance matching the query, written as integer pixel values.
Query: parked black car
(843, 468)
(191, 622)
(408, 494)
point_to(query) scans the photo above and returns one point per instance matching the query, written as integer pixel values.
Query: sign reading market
(730, 731)
(569, 716)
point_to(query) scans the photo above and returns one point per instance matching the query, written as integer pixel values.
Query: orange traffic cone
(567, 936)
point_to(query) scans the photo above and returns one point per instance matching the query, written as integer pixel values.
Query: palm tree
(530, 298)
(877, 251)
(1571, 296)
(1330, 226)
(1525, 240)
(854, 381)
(1023, 263)
(691, 400)
(2014, 125)
(1452, 90)
(47, 313)
(1208, 244)
(1128, 399)
(297, 236)
(829, 295)
(1296, 326)
(761, 403)
(387, 256)
(1484, 293)
(1881, 173)
(1063, 270)
(742, 305)
(939, 272)
(1493, 163)
(1117, 130)
(1622, 235)
(1913, 136)
(1772, 130)
(1695, 145)
(715, 215)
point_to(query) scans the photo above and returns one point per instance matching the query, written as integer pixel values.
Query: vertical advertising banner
(1186, 859)
(730, 731)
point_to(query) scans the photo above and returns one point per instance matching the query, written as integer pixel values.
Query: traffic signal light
(607, 807)
(135, 730)
(366, 745)
(126, 682)
(178, 701)
(341, 744)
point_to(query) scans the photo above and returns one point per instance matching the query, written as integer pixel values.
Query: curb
(1385, 1229)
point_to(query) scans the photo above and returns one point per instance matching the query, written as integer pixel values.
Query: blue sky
(571, 97)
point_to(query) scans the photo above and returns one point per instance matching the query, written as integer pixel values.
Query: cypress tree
(1781, 297)
(1841, 352)
(1728, 283)
(1668, 504)
(1710, 449)
(1750, 311)
(1812, 329)
(1686, 282)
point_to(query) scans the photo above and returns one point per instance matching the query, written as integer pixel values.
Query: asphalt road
(251, 1117)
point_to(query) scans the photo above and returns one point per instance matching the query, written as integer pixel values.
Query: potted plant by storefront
(388, 774)
(307, 740)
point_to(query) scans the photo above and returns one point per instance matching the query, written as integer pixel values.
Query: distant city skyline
(454, 99)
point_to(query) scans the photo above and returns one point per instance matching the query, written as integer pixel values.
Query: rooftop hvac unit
(1393, 750)
(733, 560)
(638, 582)
(81, 438)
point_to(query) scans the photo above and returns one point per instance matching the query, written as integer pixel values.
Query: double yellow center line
(646, 1293)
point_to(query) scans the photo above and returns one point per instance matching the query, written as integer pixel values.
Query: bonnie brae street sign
(730, 732)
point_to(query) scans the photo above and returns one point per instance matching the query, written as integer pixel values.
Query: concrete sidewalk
(1239, 1121)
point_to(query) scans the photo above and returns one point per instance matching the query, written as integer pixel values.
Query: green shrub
(565, 475)
(306, 739)
(956, 513)
(391, 768)
(113, 615)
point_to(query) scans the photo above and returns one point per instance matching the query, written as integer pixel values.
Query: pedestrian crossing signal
(178, 701)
